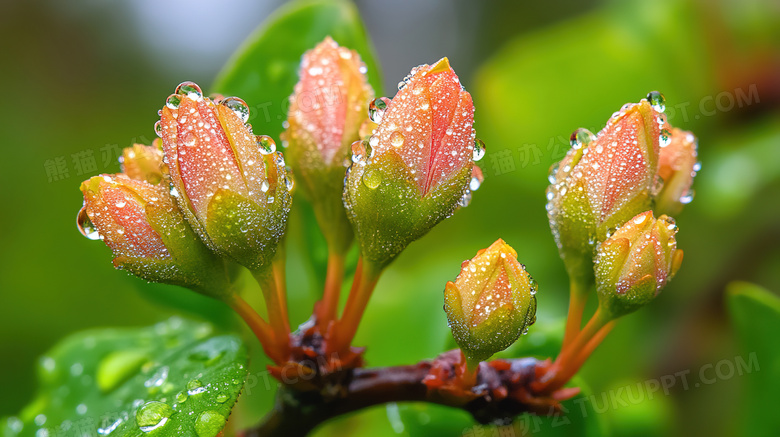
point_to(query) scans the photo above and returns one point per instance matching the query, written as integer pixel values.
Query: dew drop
(238, 106)
(190, 89)
(222, 398)
(377, 108)
(158, 128)
(581, 138)
(85, 225)
(194, 387)
(657, 101)
(479, 150)
(358, 151)
(372, 178)
(173, 101)
(465, 200)
(475, 183)
(267, 144)
(397, 139)
(552, 174)
(153, 415)
(688, 197)
(665, 139)
(209, 423)
(181, 397)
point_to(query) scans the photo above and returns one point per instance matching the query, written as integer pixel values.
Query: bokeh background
(83, 78)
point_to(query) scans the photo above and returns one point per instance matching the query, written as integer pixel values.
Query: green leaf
(755, 313)
(264, 70)
(172, 379)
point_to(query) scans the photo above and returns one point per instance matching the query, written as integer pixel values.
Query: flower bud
(603, 181)
(635, 263)
(326, 111)
(677, 168)
(491, 303)
(232, 186)
(143, 163)
(416, 167)
(148, 235)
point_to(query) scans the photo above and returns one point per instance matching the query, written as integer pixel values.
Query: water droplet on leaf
(153, 415)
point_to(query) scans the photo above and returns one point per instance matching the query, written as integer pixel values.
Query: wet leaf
(171, 379)
(755, 314)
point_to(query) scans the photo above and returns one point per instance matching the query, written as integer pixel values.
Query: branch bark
(502, 392)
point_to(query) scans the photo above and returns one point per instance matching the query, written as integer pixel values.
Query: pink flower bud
(429, 125)
(416, 168)
(326, 112)
(328, 105)
(147, 234)
(232, 186)
(635, 263)
(144, 163)
(678, 166)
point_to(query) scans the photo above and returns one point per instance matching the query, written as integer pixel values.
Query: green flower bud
(491, 303)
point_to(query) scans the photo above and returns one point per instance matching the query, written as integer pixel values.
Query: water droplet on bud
(581, 138)
(479, 150)
(372, 178)
(173, 101)
(158, 128)
(657, 101)
(238, 106)
(665, 138)
(465, 200)
(377, 108)
(358, 151)
(85, 225)
(267, 144)
(397, 139)
(190, 89)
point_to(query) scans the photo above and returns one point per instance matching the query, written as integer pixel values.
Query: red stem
(259, 327)
(327, 308)
(362, 286)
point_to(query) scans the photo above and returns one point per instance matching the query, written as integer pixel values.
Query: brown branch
(501, 393)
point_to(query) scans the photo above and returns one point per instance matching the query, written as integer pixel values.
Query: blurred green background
(84, 78)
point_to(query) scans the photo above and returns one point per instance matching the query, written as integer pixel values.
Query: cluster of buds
(208, 189)
(635, 165)
(209, 193)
